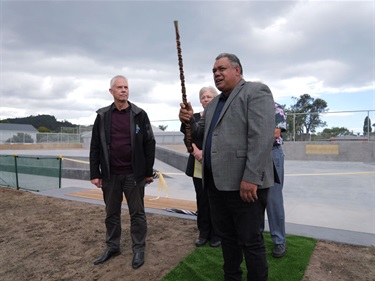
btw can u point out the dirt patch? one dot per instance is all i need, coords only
(341, 262)
(45, 238)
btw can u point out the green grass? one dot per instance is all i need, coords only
(205, 263)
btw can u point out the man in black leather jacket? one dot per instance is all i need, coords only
(122, 155)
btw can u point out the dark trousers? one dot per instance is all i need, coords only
(238, 224)
(204, 223)
(113, 191)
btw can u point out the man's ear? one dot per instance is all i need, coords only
(238, 70)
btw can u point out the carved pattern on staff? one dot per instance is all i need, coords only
(183, 89)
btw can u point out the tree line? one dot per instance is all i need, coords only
(305, 117)
(43, 123)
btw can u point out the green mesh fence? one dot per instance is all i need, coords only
(31, 173)
(8, 171)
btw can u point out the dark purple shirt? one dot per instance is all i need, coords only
(121, 150)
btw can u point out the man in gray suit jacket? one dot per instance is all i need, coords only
(238, 133)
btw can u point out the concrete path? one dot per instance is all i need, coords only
(332, 201)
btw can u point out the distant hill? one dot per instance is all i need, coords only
(47, 121)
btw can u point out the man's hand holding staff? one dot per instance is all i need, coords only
(186, 105)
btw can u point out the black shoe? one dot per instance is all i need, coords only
(215, 243)
(106, 256)
(200, 242)
(279, 250)
(138, 260)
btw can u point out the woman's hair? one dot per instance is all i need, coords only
(208, 89)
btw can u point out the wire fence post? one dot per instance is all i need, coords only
(368, 125)
(294, 127)
(16, 170)
(60, 168)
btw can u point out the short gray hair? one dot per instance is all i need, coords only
(208, 89)
(114, 79)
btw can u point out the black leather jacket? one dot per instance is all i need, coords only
(142, 142)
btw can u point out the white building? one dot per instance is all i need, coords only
(8, 131)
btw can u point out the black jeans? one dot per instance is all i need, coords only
(204, 223)
(238, 224)
(113, 191)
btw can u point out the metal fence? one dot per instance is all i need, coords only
(25, 137)
(335, 126)
(353, 121)
(58, 138)
(67, 135)
(30, 172)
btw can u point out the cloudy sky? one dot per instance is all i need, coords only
(57, 57)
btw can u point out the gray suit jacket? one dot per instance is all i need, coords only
(242, 139)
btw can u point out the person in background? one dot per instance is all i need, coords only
(237, 130)
(122, 155)
(275, 203)
(194, 170)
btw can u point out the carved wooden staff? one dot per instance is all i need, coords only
(183, 89)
